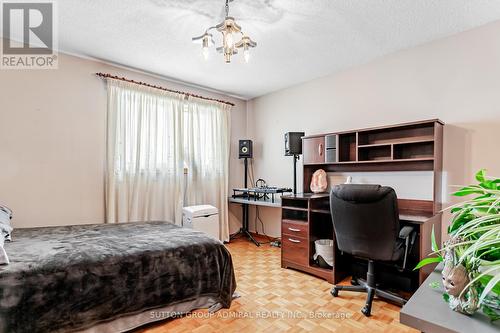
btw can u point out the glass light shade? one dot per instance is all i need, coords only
(246, 55)
(206, 50)
(229, 42)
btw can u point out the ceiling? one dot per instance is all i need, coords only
(298, 40)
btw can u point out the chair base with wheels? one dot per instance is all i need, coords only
(370, 288)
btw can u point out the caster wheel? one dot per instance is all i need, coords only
(366, 311)
(334, 292)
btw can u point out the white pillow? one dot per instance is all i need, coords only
(5, 230)
(4, 259)
(5, 227)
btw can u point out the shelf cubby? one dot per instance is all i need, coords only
(347, 147)
(291, 203)
(375, 153)
(396, 135)
(414, 150)
(294, 215)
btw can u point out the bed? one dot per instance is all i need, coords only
(110, 277)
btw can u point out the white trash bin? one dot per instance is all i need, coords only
(324, 249)
(202, 218)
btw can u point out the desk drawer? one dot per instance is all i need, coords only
(295, 229)
(294, 249)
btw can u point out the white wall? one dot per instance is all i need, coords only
(52, 141)
(456, 79)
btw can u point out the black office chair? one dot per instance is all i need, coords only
(366, 224)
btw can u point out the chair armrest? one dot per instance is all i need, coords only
(405, 232)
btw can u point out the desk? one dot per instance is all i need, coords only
(306, 218)
(260, 202)
(245, 202)
(428, 312)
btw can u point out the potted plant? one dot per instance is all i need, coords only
(471, 256)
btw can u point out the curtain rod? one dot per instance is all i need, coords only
(105, 75)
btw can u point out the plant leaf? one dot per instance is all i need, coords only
(428, 261)
(489, 287)
(488, 184)
(481, 175)
(434, 245)
(468, 190)
(490, 313)
(487, 278)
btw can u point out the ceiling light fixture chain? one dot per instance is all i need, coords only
(229, 29)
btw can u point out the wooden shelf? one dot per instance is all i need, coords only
(295, 221)
(295, 208)
(321, 211)
(399, 142)
(321, 269)
(374, 145)
(413, 139)
(420, 159)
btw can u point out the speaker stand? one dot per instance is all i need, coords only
(295, 159)
(243, 232)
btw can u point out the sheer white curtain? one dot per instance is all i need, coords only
(145, 167)
(206, 142)
(152, 137)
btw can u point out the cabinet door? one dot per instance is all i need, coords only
(314, 150)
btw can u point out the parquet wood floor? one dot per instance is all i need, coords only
(274, 299)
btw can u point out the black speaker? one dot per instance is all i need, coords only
(245, 149)
(293, 143)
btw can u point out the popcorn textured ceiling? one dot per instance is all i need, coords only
(298, 40)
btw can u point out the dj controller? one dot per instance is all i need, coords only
(259, 193)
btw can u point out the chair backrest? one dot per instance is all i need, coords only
(365, 220)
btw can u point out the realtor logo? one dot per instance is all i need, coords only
(29, 35)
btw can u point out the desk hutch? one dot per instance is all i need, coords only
(416, 146)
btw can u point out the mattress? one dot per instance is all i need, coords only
(73, 278)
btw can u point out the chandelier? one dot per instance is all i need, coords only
(230, 30)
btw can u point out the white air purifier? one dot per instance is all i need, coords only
(203, 218)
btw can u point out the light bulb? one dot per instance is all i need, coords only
(227, 56)
(205, 48)
(246, 55)
(229, 40)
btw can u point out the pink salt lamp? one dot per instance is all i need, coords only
(319, 182)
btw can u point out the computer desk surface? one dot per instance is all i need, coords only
(417, 217)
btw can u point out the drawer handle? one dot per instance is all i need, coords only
(320, 149)
(293, 240)
(294, 230)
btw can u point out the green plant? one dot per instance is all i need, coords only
(475, 231)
